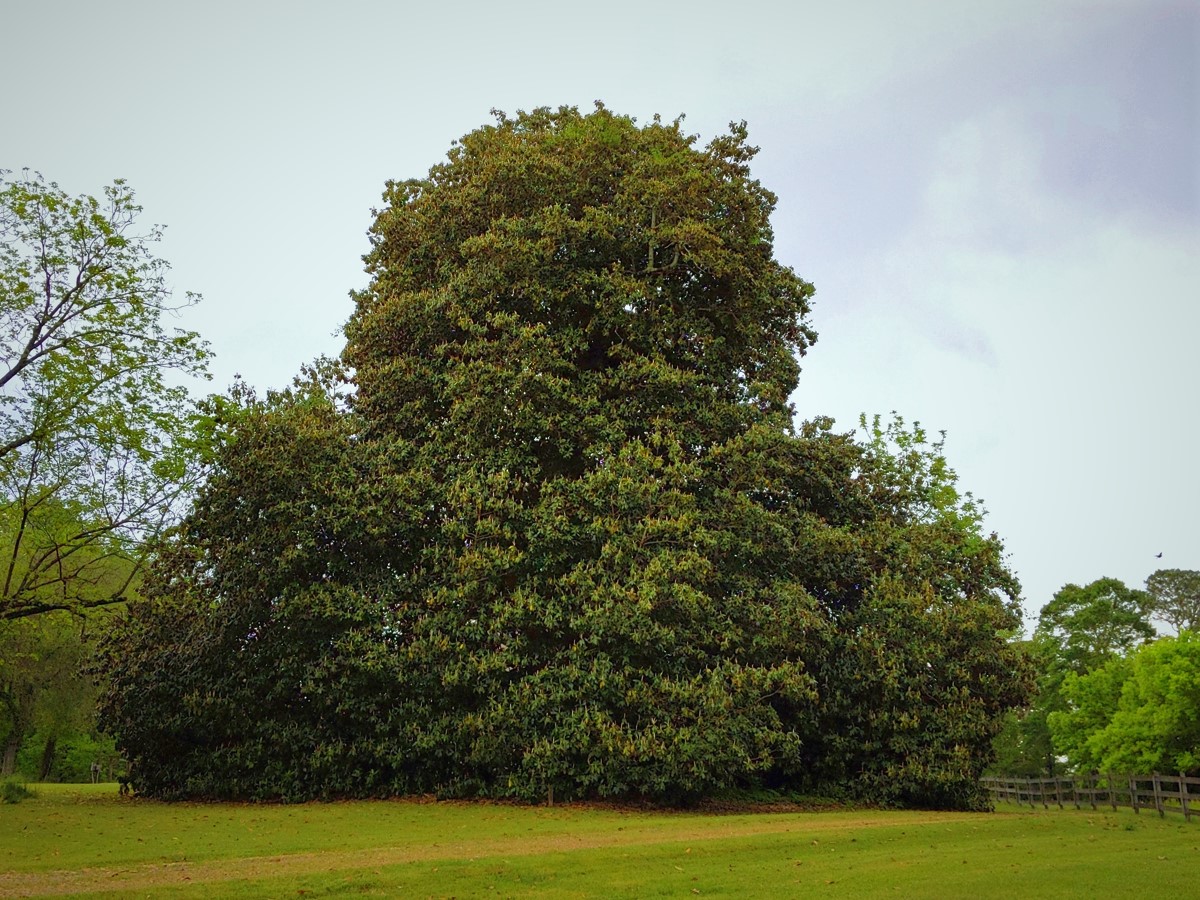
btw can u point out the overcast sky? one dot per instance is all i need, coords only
(997, 200)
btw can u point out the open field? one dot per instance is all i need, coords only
(84, 840)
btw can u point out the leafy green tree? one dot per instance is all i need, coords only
(1084, 627)
(1138, 713)
(44, 694)
(922, 671)
(96, 444)
(1023, 745)
(1175, 597)
(563, 534)
(257, 668)
(1079, 631)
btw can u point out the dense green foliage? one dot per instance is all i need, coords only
(1109, 695)
(1084, 627)
(47, 703)
(67, 757)
(562, 534)
(1136, 713)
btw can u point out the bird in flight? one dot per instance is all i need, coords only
(1158, 556)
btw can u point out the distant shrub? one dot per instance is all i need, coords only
(13, 791)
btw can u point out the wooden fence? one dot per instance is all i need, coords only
(1163, 793)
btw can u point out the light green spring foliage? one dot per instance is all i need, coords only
(96, 442)
(563, 534)
(927, 486)
(1081, 630)
(1137, 713)
(47, 702)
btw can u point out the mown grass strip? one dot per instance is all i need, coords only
(465, 850)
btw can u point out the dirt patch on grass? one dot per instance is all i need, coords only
(129, 879)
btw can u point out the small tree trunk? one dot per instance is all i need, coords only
(9, 765)
(47, 758)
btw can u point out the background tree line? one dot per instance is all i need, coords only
(1111, 694)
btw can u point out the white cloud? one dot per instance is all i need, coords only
(1057, 348)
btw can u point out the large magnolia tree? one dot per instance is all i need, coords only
(562, 534)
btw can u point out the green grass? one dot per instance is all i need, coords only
(84, 840)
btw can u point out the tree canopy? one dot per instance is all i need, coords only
(96, 441)
(1081, 628)
(561, 533)
(1175, 597)
(1111, 694)
(1079, 632)
(1137, 713)
(44, 691)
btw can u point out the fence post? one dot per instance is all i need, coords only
(1058, 791)
(1183, 797)
(1158, 800)
(1133, 794)
(1029, 787)
(1112, 791)
(1095, 785)
(1075, 790)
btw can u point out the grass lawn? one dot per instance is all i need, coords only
(84, 840)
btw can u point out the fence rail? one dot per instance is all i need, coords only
(1163, 793)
